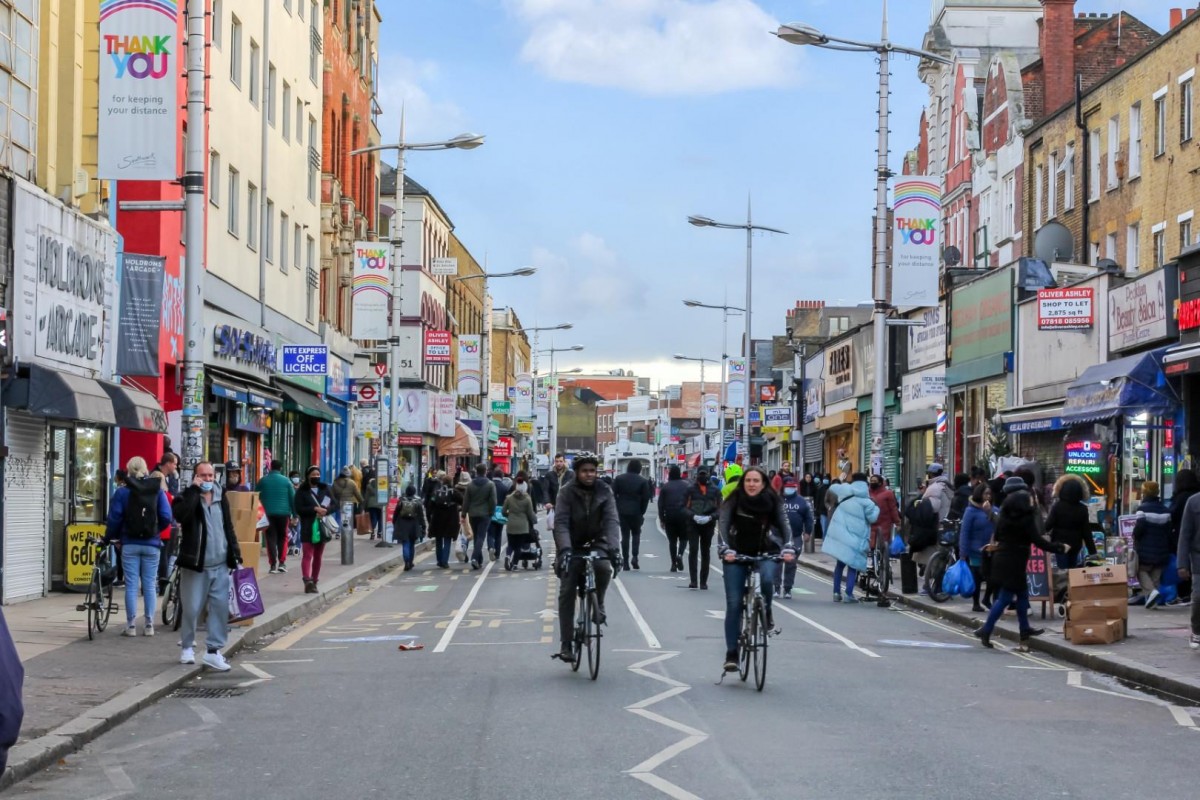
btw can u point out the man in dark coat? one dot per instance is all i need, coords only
(673, 513)
(12, 675)
(633, 498)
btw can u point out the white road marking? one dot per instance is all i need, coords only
(206, 715)
(715, 613)
(826, 631)
(119, 779)
(644, 771)
(547, 614)
(664, 786)
(310, 649)
(280, 661)
(1026, 666)
(1181, 715)
(463, 609)
(651, 640)
(336, 610)
(257, 671)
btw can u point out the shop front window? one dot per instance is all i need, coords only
(89, 478)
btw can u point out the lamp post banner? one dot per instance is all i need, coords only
(523, 402)
(917, 213)
(712, 412)
(371, 290)
(139, 87)
(470, 376)
(735, 389)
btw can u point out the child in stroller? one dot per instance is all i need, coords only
(523, 549)
(294, 536)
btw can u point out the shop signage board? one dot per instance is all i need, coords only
(80, 556)
(1087, 459)
(525, 426)
(1142, 312)
(371, 290)
(139, 87)
(916, 246)
(839, 371)
(139, 322)
(304, 359)
(776, 418)
(501, 407)
(503, 448)
(437, 346)
(766, 393)
(927, 343)
(1066, 309)
(981, 317)
(924, 389)
(444, 266)
(470, 376)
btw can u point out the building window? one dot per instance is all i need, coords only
(1038, 195)
(272, 82)
(216, 24)
(1135, 140)
(314, 43)
(252, 212)
(255, 78)
(1110, 246)
(1160, 124)
(1133, 237)
(1068, 168)
(1052, 187)
(1114, 151)
(285, 231)
(214, 178)
(287, 6)
(1094, 165)
(1159, 232)
(269, 233)
(235, 52)
(296, 244)
(312, 160)
(1093, 253)
(300, 122)
(1008, 191)
(231, 212)
(1185, 232)
(1185, 110)
(311, 280)
(285, 109)
(300, 9)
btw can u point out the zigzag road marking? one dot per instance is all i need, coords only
(644, 771)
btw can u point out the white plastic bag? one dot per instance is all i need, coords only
(461, 548)
(550, 522)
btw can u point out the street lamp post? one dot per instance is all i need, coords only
(749, 227)
(703, 426)
(725, 312)
(564, 326)
(553, 432)
(465, 141)
(802, 34)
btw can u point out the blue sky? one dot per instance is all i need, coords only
(608, 122)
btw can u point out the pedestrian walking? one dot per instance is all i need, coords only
(1152, 541)
(167, 471)
(780, 478)
(504, 485)
(345, 492)
(733, 476)
(479, 504)
(522, 517)
(1068, 520)
(801, 520)
(409, 524)
(1018, 528)
(278, 498)
(444, 520)
(973, 537)
(12, 678)
(208, 550)
(938, 491)
(703, 504)
(849, 533)
(558, 477)
(314, 502)
(1186, 485)
(375, 506)
(632, 492)
(137, 516)
(673, 514)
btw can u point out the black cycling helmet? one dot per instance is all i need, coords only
(586, 457)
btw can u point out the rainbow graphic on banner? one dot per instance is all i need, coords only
(372, 283)
(917, 190)
(167, 8)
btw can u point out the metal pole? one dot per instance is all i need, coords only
(747, 348)
(265, 171)
(193, 418)
(724, 377)
(881, 228)
(486, 371)
(553, 434)
(703, 416)
(397, 231)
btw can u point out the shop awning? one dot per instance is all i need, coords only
(1033, 418)
(226, 387)
(1125, 387)
(464, 442)
(136, 410)
(308, 403)
(61, 395)
(912, 420)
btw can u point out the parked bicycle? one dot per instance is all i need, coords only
(752, 638)
(942, 560)
(99, 604)
(587, 610)
(172, 608)
(877, 577)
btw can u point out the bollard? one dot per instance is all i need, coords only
(347, 533)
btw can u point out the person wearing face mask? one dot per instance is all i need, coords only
(820, 487)
(522, 519)
(313, 503)
(703, 501)
(884, 527)
(208, 550)
(800, 518)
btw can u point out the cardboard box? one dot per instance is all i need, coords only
(242, 501)
(1092, 577)
(1097, 610)
(1106, 632)
(245, 526)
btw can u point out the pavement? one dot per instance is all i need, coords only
(856, 702)
(76, 689)
(1154, 654)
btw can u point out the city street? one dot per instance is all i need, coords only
(860, 702)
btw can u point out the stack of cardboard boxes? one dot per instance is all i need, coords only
(1097, 605)
(245, 510)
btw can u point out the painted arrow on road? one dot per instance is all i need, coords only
(547, 615)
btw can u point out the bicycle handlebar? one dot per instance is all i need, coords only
(740, 559)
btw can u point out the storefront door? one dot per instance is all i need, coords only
(59, 463)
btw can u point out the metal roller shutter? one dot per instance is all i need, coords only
(25, 518)
(814, 448)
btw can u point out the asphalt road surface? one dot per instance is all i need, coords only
(860, 702)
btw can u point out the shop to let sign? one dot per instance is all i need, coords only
(1065, 309)
(437, 347)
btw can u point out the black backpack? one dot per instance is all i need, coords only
(444, 497)
(141, 511)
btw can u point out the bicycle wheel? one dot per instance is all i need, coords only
(746, 641)
(935, 570)
(758, 632)
(90, 603)
(582, 625)
(885, 571)
(170, 601)
(592, 639)
(105, 608)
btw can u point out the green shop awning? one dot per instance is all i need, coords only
(308, 403)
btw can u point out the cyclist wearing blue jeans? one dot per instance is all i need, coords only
(752, 522)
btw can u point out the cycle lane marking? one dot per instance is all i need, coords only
(448, 636)
(644, 771)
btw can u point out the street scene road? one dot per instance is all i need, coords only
(859, 702)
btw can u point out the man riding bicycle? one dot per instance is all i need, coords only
(752, 523)
(585, 519)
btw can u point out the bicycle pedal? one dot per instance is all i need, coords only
(81, 607)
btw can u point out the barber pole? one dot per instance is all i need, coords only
(941, 420)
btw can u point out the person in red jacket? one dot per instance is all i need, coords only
(889, 517)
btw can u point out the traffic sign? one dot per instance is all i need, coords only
(381, 369)
(367, 392)
(303, 359)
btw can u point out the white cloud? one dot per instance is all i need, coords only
(590, 281)
(403, 83)
(656, 47)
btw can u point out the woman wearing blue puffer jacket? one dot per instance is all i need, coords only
(978, 524)
(849, 532)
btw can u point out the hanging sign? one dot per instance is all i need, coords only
(735, 385)
(371, 291)
(437, 346)
(140, 317)
(470, 376)
(916, 250)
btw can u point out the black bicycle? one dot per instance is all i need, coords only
(98, 604)
(172, 608)
(752, 639)
(877, 577)
(942, 560)
(587, 616)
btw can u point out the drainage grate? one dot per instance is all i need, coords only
(197, 692)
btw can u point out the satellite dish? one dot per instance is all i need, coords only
(1054, 243)
(951, 256)
(1109, 266)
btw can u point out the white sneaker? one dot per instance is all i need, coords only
(187, 656)
(1152, 599)
(217, 662)
(282, 570)
(1194, 643)
(130, 631)
(149, 629)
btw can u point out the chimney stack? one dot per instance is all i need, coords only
(1057, 45)
(1175, 18)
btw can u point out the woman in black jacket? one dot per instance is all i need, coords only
(702, 504)
(313, 504)
(1017, 530)
(1068, 520)
(673, 514)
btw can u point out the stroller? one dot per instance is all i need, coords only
(527, 552)
(294, 536)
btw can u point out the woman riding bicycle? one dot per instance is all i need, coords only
(752, 523)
